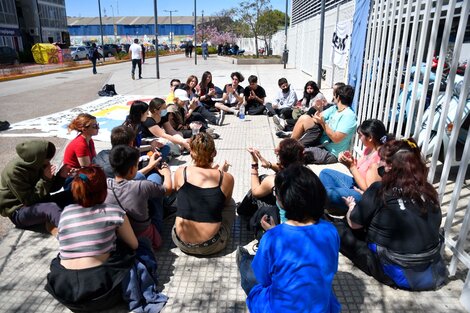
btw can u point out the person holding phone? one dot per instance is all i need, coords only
(232, 97)
(133, 195)
(254, 97)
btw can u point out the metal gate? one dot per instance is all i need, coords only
(413, 81)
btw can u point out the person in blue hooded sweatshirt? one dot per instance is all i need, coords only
(296, 261)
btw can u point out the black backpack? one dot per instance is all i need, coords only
(107, 91)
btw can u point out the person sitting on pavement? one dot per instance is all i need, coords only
(284, 102)
(254, 97)
(205, 208)
(122, 135)
(181, 114)
(81, 150)
(296, 261)
(138, 114)
(392, 233)
(192, 90)
(338, 123)
(232, 97)
(174, 83)
(26, 185)
(260, 198)
(338, 185)
(206, 91)
(157, 125)
(133, 195)
(303, 106)
(309, 137)
(91, 264)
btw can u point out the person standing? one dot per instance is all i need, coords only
(190, 47)
(93, 55)
(143, 53)
(135, 52)
(205, 50)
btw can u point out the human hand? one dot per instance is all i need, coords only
(193, 104)
(267, 222)
(350, 202)
(254, 154)
(156, 144)
(66, 171)
(164, 169)
(154, 159)
(252, 95)
(211, 92)
(49, 171)
(318, 118)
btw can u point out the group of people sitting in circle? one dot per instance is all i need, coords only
(384, 216)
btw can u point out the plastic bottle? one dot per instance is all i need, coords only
(241, 113)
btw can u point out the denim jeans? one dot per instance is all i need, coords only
(248, 278)
(339, 185)
(155, 204)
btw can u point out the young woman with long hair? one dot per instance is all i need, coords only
(81, 150)
(398, 219)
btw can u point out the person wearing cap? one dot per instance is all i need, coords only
(181, 115)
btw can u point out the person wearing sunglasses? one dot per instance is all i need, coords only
(81, 150)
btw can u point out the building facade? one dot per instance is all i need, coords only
(123, 29)
(24, 23)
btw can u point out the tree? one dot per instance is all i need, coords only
(249, 12)
(269, 23)
(213, 35)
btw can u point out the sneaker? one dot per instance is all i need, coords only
(140, 77)
(221, 118)
(133, 76)
(240, 255)
(215, 135)
(4, 125)
(210, 131)
(283, 134)
(279, 122)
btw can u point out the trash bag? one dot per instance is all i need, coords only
(108, 90)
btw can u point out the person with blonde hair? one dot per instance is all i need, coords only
(81, 150)
(206, 210)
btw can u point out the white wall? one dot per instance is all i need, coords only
(303, 44)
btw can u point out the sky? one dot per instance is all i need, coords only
(89, 8)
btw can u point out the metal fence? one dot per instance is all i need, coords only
(413, 81)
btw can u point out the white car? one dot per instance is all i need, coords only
(78, 52)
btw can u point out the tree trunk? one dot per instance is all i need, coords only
(256, 46)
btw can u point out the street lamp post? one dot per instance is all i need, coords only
(101, 30)
(202, 24)
(155, 12)
(285, 42)
(114, 24)
(195, 29)
(171, 27)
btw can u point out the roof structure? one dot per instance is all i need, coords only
(134, 20)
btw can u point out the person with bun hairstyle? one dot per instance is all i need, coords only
(363, 171)
(96, 247)
(81, 150)
(392, 233)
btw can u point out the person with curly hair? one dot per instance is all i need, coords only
(392, 233)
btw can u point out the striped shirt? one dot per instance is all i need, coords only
(87, 232)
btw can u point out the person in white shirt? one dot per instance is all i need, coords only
(285, 101)
(135, 52)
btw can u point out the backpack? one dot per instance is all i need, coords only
(107, 91)
(91, 53)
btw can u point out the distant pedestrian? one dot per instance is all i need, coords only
(93, 55)
(186, 49)
(135, 52)
(205, 50)
(190, 47)
(143, 53)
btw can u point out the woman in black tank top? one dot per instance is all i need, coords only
(206, 210)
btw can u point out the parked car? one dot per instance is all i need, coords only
(8, 55)
(125, 47)
(78, 52)
(107, 50)
(117, 47)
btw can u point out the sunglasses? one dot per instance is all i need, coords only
(95, 126)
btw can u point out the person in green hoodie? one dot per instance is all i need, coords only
(26, 184)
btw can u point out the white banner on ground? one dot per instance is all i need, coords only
(109, 112)
(340, 44)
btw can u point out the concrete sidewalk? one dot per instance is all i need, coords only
(206, 284)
